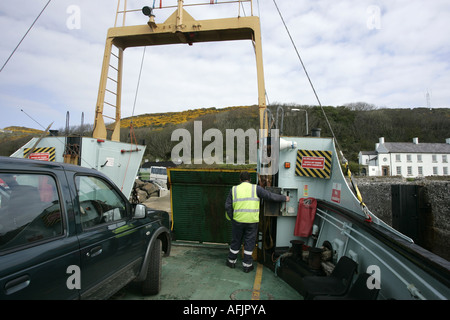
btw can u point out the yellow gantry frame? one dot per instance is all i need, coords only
(180, 27)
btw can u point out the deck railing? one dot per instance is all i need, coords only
(398, 268)
(122, 7)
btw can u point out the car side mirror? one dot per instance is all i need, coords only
(140, 211)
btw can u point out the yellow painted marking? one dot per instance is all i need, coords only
(257, 284)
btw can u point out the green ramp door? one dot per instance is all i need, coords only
(198, 203)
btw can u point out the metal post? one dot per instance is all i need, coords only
(179, 15)
(306, 113)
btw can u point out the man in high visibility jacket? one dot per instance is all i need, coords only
(242, 208)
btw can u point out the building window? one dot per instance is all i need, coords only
(420, 171)
(399, 171)
(444, 158)
(409, 169)
(434, 158)
(435, 170)
(397, 158)
(419, 158)
(445, 171)
(408, 158)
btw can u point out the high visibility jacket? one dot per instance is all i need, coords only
(245, 203)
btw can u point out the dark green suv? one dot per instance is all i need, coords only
(67, 232)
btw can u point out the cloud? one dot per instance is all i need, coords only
(348, 61)
(57, 68)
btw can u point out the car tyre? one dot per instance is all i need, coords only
(152, 283)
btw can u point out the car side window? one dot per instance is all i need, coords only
(99, 202)
(30, 209)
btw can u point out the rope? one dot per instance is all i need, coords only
(132, 133)
(344, 160)
(306, 72)
(7, 60)
(139, 81)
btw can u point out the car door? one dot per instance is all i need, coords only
(37, 244)
(111, 245)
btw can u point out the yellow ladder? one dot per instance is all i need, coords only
(178, 28)
(110, 88)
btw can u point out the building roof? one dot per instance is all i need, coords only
(408, 147)
(368, 153)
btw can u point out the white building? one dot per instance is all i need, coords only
(407, 159)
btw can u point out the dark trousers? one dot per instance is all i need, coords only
(246, 232)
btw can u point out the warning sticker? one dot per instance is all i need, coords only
(43, 156)
(336, 193)
(313, 162)
(109, 162)
(44, 153)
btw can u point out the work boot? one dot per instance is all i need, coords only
(231, 264)
(248, 269)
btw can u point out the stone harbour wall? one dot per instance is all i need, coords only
(377, 195)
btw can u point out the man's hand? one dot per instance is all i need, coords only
(287, 198)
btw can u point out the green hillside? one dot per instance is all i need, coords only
(356, 126)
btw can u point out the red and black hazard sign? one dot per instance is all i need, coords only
(313, 163)
(44, 154)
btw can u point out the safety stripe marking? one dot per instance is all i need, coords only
(324, 173)
(50, 150)
(257, 284)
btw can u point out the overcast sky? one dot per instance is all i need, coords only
(388, 53)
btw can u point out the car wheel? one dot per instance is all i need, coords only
(152, 283)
